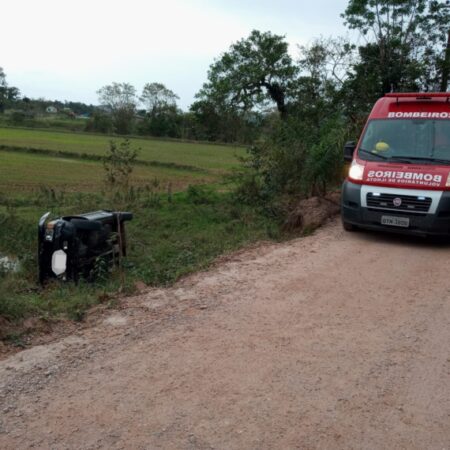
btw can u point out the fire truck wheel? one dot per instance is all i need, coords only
(349, 227)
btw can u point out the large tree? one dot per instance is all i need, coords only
(324, 64)
(163, 118)
(327, 60)
(156, 97)
(254, 71)
(404, 42)
(120, 99)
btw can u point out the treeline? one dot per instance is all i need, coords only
(323, 98)
(155, 112)
(256, 88)
(121, 111)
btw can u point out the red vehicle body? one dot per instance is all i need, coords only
(399, 176)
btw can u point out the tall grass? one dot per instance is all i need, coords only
(170, 236)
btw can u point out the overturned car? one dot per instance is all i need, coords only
(71, 247)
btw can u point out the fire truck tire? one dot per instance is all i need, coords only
(349, 227)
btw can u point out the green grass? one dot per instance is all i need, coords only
(175, 230)
(170, 236)
(217, 158)
(22, 172)
(57, 122)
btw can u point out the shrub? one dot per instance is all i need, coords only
(18, 118)
(298, 160)
(99, 122)
(118, 164)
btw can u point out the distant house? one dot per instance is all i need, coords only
(51, 110)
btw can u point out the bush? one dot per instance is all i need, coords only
(100, 123)
(165, 123)
(118, 164)
(18, 118)
(200, 195)
(169, 236)
(298, 160)
(123, 121)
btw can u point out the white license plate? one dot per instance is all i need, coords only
(395, 221)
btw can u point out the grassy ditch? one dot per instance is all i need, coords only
(170, 236)
(185, 215)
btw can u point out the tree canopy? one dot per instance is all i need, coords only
(254, 71)
(8, 94)
(404, 42)
(118, 96)
(156, 97)
(121, 99)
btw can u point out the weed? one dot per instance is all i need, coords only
(168, 238)
(172, 234)
(15, 339)
(118, 164)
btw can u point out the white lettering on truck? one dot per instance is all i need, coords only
(426, 179)
(419, 115)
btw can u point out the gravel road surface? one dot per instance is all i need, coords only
(337, 340)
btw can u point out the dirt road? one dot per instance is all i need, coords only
(333, 341)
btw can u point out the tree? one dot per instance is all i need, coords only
(162, 117)
(254, 71)
(327, 60)
(99, 122)
(120, 99)
(156, 97)
(208, 123)
(324, 66)
(8, 95)
(162, 123)
(404, 41)
(3, 83)
(446, 65)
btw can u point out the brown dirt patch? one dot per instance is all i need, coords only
(336, 340)
(313, 212)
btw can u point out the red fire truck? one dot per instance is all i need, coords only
(399, 177)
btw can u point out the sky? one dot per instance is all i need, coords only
(56, 49)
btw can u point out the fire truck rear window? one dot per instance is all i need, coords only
(407, 138)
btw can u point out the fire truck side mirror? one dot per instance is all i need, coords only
(349, 149)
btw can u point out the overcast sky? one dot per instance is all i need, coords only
(67, 50)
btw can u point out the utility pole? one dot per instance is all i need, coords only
(446, 65)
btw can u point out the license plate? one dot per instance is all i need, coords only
(395, 221)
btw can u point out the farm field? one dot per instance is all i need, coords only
(217, 158)
(22, 172)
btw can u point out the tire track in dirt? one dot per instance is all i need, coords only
(332, 341)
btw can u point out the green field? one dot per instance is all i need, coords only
(55, 122)
(184, 215)
(22, 172)
(217, 158)
(170, 162)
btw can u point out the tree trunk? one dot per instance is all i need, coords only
(277, 95)
(446, 66)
